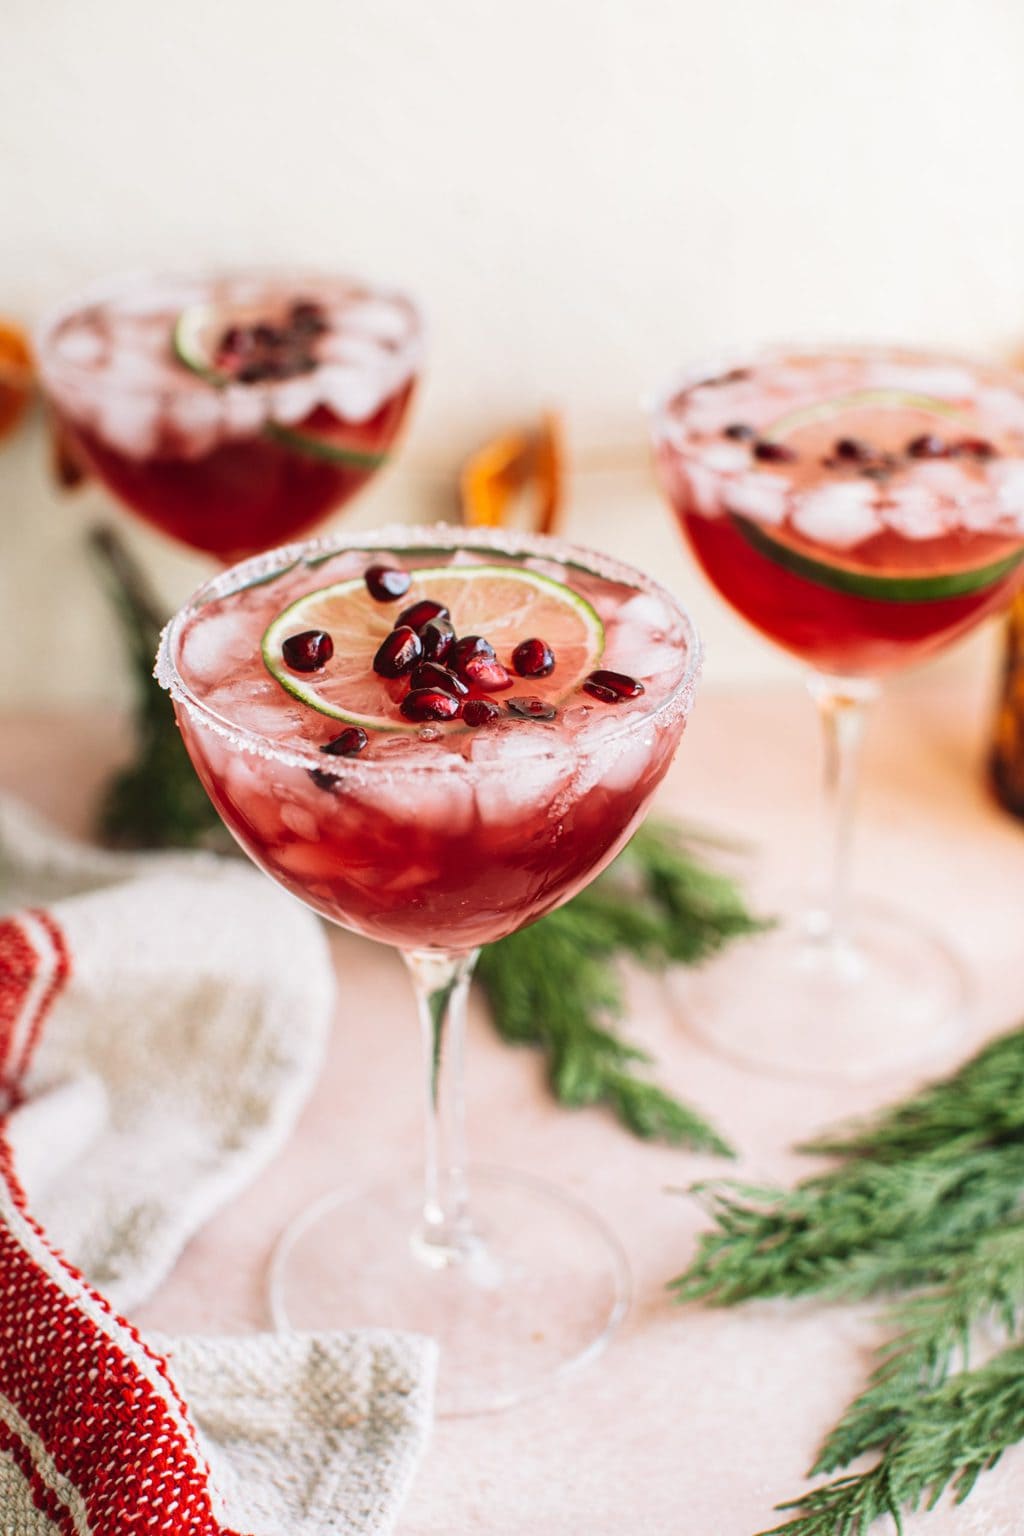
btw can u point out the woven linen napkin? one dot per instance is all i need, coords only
(162, 1020)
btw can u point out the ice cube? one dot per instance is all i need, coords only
(244, 410)
(703, 486)
(838, 516)
(215, 644)
(1006, 477)
(521, 770)
(292, 402)
(377, 317)
(197, 416)
(80, 346)
(435, 799)
(946, 380)
(724, 458)
(613, 752)
(354, 394)
(128, 421)
(1001, 410)
(762, 497)
(300, 820)
(912, 512)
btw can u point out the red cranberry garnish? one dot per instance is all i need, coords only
(468, 647)
(739, 431)
(348, 744)
(418, 614)
(486, 674)
(928, 446)
(533, 658)
(437, 637)
(476, 712)
(429, 675)
(976, 447)
(398, 652)
(611, 687)
(773, 453)
(530, 708)
(309, 651)
(386, 583)
(430, 704)
(854, 450)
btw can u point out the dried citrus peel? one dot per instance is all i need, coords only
(17, 377)
(516, 470)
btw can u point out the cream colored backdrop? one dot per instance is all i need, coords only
(582, 192)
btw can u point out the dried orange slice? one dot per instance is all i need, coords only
(16, 377)
(511, 470)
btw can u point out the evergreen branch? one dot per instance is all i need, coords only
(945, 1437)
(983, 1287)
(656, 904)
(157, 801)
(857, 1231)
(982, 1102)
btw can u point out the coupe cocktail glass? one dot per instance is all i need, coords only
(437, 838)
(863, 508)
(232, 411)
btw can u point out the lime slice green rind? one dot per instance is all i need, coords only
(189, 343)
(322, 448)
(886, 589)
(304, 688)
(892, 399)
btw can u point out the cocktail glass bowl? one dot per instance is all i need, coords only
(437, 852)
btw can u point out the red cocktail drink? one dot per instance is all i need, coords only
(232, 412)
(863, 508)
(434, 739)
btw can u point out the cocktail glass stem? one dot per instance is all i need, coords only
(843, 705)
(441, 980)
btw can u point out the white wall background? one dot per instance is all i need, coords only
(583, 193)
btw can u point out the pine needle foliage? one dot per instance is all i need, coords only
(923, 1205)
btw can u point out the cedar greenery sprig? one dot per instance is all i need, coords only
(926, 1199)
(657, 904)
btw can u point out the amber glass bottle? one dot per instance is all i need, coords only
(1007, 759)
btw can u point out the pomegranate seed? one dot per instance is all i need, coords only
(479, 712)
(385, 583)
(418, 614)
(351, 741)
(437, 637)
(739, 432)
(853, 449)
(773, 453)
(533, 658)
(486, 674)
(430, 704)
(468, 647)
(307, 317)
(309, 651)
(325, 781)
(530, 708)
(610, 687)
(977, 447)
(429, 675)
(928, 446)
(398, 652)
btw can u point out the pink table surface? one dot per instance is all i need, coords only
(695, 1421)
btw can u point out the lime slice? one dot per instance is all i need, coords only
(931, 585)
(197, 334)
(858, 400)
(506, 604)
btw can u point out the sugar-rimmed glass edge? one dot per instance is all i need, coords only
(451, 536)
(665, 429)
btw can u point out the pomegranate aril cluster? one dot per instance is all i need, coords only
(262, 352)
(857, 454)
